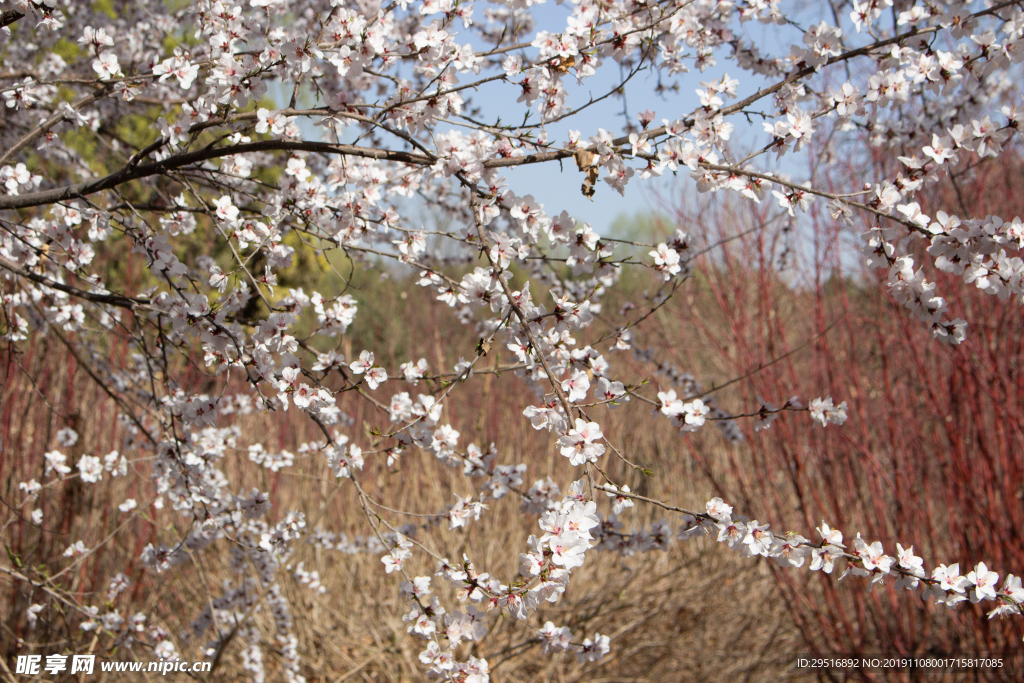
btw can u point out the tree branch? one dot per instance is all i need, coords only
(111, 299)
(129, 173)
(9, 16)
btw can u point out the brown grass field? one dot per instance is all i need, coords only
(697, 612)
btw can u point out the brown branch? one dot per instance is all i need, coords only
(129, 173)
(111, 299)
(9, 16)
(50, 122)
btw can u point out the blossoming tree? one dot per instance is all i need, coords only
(391, 119)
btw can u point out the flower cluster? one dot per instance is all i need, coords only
(212, 198)
(944, 585)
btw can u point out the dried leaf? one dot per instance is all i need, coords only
(562, 65)
(586, 161)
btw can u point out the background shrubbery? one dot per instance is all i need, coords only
(931, 455)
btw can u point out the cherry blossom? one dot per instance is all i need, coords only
(576, 387)
(578, 444)
(106, 65)
(825, 412)
(271, 135)
(67, 437)
(90, 469)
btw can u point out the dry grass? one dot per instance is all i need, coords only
(696, 612)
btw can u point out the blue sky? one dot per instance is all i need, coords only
(558, 186)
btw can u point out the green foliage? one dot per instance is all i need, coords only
(138, 131)
(641, 227)
(105, 7)
(67, 50)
